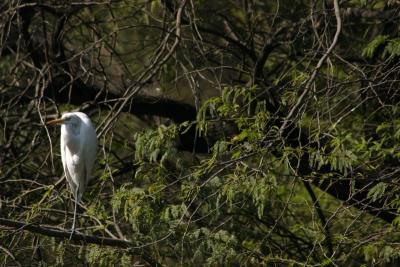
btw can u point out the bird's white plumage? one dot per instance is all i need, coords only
(78, 152)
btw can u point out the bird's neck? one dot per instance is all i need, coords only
(70, 137)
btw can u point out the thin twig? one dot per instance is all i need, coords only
(315, 71)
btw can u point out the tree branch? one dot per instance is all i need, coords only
(54, 232)
(321, 216)
(316, 69)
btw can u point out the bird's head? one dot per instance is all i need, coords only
(66, 119)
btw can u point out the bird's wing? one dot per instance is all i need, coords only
(76, 168)
(89, 150)
(66, 166)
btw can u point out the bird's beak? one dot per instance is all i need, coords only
(56, 121)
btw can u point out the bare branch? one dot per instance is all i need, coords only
(316, 69)
(77, 237)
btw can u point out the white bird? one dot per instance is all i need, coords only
(78, 152)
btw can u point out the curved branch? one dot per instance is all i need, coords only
(321, 217)
(158, 61)
(36, 54)
(54, 232)
(249, 52)
(316, 69)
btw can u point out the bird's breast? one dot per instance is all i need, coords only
(71, 141)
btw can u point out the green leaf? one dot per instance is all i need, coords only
(377, 191)
(369, 50)
(392, 48)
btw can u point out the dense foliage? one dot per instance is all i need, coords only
(234, 132)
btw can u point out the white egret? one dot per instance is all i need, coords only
(78, 152)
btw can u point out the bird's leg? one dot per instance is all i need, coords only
(76, 204)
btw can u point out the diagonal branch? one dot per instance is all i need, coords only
(54, 232)
(321, 216)
(147, 75)
(316, 69)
